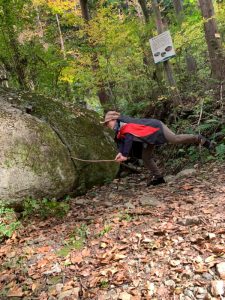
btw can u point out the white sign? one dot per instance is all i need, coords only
(162, 47)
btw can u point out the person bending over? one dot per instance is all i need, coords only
(148, 133)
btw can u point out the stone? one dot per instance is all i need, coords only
(201, 296)
(217, 287)
(186, 173)
(55, 269)
(58, 287)
(65, 294)
(124, 296)
(187, 221)
(108, 204)
(111, 295)
(170, 282)
(129, 205)
(207, 276)
(170, 178)
(147, 200)
(39, 150)
(81, 202)
(201, 290)
(220, 268)
(189, 293)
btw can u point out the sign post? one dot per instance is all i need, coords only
(162, 47)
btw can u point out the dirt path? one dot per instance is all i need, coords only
(125, 241)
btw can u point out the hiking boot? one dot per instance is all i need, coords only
(156, 181)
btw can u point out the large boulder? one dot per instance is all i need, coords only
(40, 139)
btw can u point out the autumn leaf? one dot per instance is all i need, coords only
(43, 249)
(124, 296)
(119, 256)
(15, 292)
(76, 258)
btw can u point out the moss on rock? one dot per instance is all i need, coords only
(50, 129)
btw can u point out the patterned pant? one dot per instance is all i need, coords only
(172, 138)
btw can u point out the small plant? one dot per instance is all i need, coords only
(82, 231)
(125, 217)
(220, 151)
(76, 240)
(105, 230)
(45, 208)
(104, 284)
(107, 180)
(8, 222)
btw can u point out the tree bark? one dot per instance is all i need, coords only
(61, 37)
(190, 60)
(84, 9)
(39, 23)
(19, 62)
(178, 7)
(167, 66)
(144, 10)
(3, 76)
(216, 54)
(103, 96)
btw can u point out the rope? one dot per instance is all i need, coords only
(106, 160)
(94, 160)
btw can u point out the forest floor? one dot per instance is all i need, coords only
(125, 241)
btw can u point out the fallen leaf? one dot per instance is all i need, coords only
(124, 296)
(119, 256)
(76, 258)
(43, 262)
(43, 249)
(15, 292)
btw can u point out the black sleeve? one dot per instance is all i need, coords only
(126, 144)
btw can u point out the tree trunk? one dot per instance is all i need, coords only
(19, 62)
(103, 96)
(190, 60)
(69, 89)
(84, 9)
(167, 66)
(144, 10)
(178, 7)
(216, 55)
(61, 37)
(3, 76)
(39, 23)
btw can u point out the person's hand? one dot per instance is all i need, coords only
(120, 157)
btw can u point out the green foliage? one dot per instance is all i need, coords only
(104, 284)
(111, 52)
(105, 230)
(8, 222)
(220, 151)
(76, 240)
(209, 125)
(125, 217)
(45, 208)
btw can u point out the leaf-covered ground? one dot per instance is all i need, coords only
(125, 241)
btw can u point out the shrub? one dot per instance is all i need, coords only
(8, 222)
(45, 208)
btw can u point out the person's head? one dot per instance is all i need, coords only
(111, 118)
